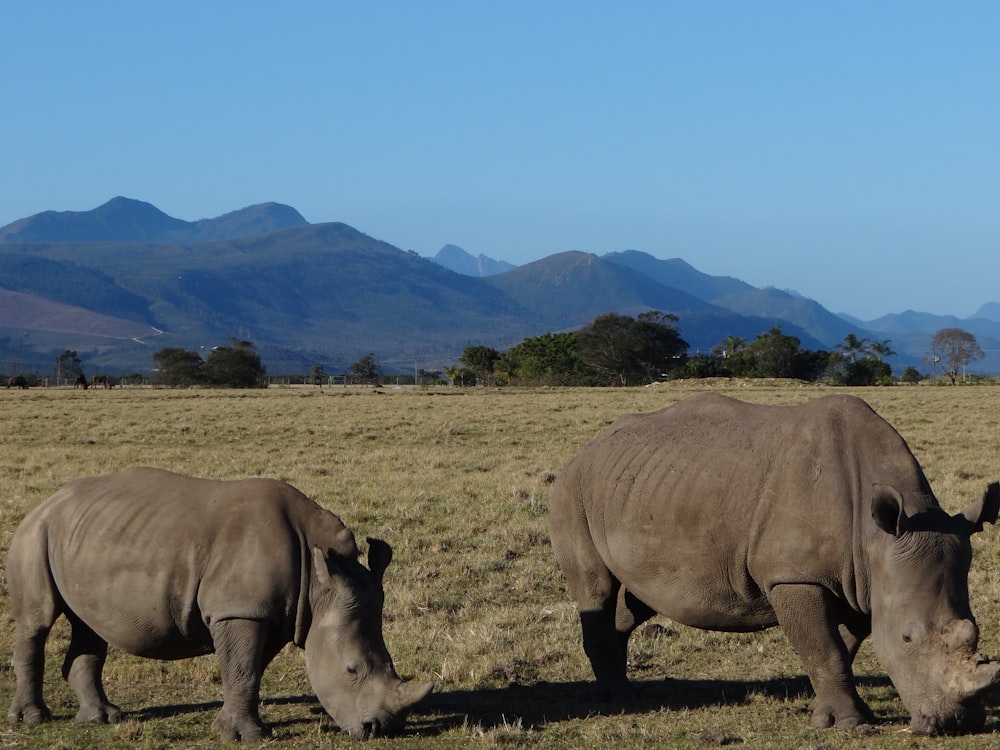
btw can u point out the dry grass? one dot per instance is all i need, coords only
(458, 483)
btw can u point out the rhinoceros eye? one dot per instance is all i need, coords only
(914, 631)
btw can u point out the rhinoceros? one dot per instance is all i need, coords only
(729, 516)
(167, 566)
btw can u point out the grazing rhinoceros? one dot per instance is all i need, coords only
(169, 567)
(730, 516)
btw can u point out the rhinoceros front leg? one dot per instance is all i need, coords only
(239, 646)
(809, 616)
(82, 670)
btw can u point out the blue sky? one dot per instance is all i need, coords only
(847, 150)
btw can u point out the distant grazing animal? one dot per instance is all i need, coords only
(731, 516)
(81, 381)
(18, 381)
(170, 567)
(102, 381)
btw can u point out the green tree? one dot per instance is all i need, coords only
(549, 359)
(179, 367)
(853, 347)
(68, 367)
(956, 348)
(770, 355)
(911, 375)
(865, 371)
(366, 370)
(881, 349)
(235, 366)
(729, 346)
(628, 351)
(317, 374)
(480, 359)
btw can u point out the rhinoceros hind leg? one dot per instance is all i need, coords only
(808, 615)
(240, 646)
(82, 670)
(606, 649)
(27, 705)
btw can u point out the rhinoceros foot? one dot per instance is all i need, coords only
(103, 713)
(826, 715)
(232, 728)
(29, 713)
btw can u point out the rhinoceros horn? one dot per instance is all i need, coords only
(978, 680)
(984, 510)
(409, 694)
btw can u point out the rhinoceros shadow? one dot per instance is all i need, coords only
(535, 705)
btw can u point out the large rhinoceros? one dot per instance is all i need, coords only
(169, 567)
(730, 516)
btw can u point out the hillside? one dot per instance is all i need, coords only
(328, 294)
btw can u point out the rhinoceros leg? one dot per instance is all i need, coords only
(240, 646)
(809, 616)
(28, 706)
(35, 606)
(82, 670)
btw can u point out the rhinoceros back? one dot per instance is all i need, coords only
(148, 558)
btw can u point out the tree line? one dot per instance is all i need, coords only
(613, 349)
(619, 350)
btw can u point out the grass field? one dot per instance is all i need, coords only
(458, 482)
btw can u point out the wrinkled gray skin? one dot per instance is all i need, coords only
(170, 567)
(729, 516)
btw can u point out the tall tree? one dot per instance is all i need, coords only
(549, 359)
(236, 366)
(956, 348)
(179, 367)
(770, 355)
(853, 347)
(68, 367)
(881, 349)
(366, 370)
(480, 359)
(630, 351)
(729, 346)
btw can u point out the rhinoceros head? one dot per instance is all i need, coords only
(923, 630)
(348, 664)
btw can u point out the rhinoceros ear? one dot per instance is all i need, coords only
(887, 509)
(984, 510)
(379, 557)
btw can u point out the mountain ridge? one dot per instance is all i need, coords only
(129, 220)
(328, 293)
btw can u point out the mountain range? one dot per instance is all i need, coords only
(124, 280)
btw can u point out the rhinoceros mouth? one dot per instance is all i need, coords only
(373, 727)
(968, 718)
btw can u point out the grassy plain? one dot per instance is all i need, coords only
(458, 482)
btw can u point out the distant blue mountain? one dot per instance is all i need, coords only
(458, 260)
(329, 294)
(128, 220)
